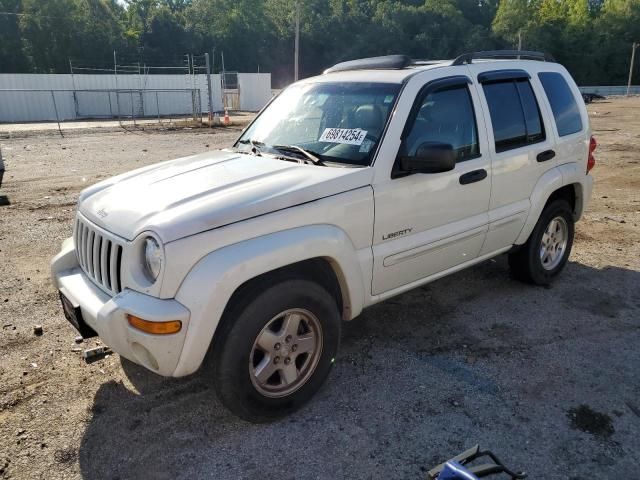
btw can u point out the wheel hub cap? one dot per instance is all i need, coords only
(554, 243)
(285, 353)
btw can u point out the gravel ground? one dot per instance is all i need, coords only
(548, 378)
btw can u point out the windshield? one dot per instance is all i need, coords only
(336, 122)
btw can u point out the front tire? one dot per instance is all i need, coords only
(275, 348)
(547, 250)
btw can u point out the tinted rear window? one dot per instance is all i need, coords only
(532, 117)
(514, 114)
(563, 103)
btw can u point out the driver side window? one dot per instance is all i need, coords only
(445, 116)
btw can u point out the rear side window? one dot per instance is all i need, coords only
(563, 103)
(515, 115)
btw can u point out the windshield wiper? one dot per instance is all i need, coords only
(313, 156)
(255, 144)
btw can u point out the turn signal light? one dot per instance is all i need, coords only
(591, 161)
(155, 328)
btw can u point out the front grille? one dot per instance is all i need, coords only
(99, 255)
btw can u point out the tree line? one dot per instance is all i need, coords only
(592, 38)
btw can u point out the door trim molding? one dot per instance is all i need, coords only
(411, 285)
(433, 246)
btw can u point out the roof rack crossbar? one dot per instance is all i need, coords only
(524, 54)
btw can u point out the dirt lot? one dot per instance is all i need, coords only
(547, 378)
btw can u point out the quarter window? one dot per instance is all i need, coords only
(563, 103)
(515, 114)
(445, 116)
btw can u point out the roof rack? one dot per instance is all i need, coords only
(388, 62)
(398, 62)
(524, 54)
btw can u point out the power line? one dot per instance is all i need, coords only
(15, 14)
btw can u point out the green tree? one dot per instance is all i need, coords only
(11, 41)
(56, 30)
(513, 19)
(591, 37)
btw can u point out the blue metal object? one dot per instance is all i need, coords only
(454, 471)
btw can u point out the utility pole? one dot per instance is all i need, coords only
(223, 82)
(206, 59)
(73, 84)
(633, 57)
(297, 43)
(115, 77)
(519, 39)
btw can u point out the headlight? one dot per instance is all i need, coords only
(152, 258)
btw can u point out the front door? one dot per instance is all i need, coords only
(428, 223)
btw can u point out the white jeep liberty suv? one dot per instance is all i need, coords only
(380, 175)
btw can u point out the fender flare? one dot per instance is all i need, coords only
(221, 273)
(574, 174)
(548, 183)
(552, 180)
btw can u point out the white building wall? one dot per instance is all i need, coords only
(34, 101)
(255, 90)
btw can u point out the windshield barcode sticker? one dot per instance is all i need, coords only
(350, 136)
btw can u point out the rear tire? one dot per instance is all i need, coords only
(274, 348)
(547, 250)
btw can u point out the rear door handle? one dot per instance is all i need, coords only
(546, 155)
(473, 176)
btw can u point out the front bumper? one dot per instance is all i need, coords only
(108, 315)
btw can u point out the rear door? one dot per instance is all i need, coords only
(429, 223)
(521, 146)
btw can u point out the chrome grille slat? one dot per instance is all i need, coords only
(83, 246)
(90, 237)
(79, 242)
(104, 277)
(97, 241)
(99, 255)
(113, 264)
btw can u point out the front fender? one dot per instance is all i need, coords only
(207, 288)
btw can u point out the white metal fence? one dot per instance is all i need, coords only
(611, 90)
(42, 97)
(62, 105)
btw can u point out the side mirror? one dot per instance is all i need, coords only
(430, 157)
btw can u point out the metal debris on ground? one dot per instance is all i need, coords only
(460, 468)
(94, 354)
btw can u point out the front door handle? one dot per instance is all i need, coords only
(546, 155)
(473, 176)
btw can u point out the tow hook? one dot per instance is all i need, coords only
(94, 354)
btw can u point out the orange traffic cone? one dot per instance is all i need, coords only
(227, 120)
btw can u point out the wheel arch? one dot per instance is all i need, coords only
(561, 182)
(323, 253)
(324, 271)
(567, 193)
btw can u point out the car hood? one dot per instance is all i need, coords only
(183, 197)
